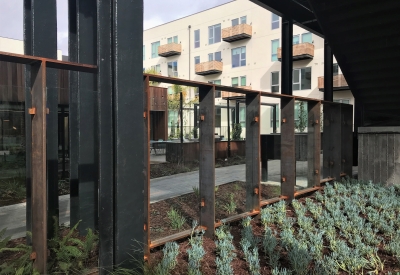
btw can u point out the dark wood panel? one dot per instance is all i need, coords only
(158, 99)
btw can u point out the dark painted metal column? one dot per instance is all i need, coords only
(288, 156)
(253, 191)
(40, 24)
(83, 93)
(229, 128)
(358, 122)
(207, 159)
(196, 107)
(106, 136)
(287, 57)
(146, 194)
(347, 139)
(274, 119)
(129, 138)
(314, 144)
(328, 72)
(181, 122)
(39, 179)
(237, 112)
(332, 141)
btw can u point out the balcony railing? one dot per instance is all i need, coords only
(169, 49)
(300, 51)
(235, 95)
(238, 32)
(339, 83)
(210, 67)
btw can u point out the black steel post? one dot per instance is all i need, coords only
(229, 128)
(314, 144)
(40, 24)
(106, 136)
(328, 72)
(62, 128)
(207, 159)
(274, 119)
(287, 56)
(346, 111)
(196, 119)
(253, 190)
(181, 122)
(332, 149)
(237, 107)
(358, 122)
(84, 119)
(129, 138)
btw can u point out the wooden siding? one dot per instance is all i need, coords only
(338, 82)
(300, 51)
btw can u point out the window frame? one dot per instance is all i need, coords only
(212, 39)
(275, 26)
(272, 82)
(196, 58)
(174, 72)
(240, 56)
(274, 56)
(197, 42)
(155, 48)
(302, 72)
(302, 37)
(298, 39)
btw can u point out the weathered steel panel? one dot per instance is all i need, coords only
(207, 158)
(253, 187)
(347, 139)
(288, 157)
(332, 141)
(314, 144)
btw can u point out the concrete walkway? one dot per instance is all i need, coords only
(13, 217)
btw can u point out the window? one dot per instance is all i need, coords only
(242, 117)
(173, 39)
(345, 101)
(274, 51)
(156, 68)
(296, 39)
(214, 34)
(214, 56)
(235, 81)
(218, 117)
(335, 69)
(237, 21)
(275, 21)
(277, 116)
(196, 60)
(243, 81)
(239, 57)
(306, 37)
(275, 82)
(154, 49)
(173, 69)
(197, 38)
(302, 79)
(144, 52)
(216, 82)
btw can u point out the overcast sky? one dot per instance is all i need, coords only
(156, 12)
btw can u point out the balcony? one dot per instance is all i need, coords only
(238, 32)
(226, 95)
(169, 49)
(300, 51)
(339, 83)
(210, 67)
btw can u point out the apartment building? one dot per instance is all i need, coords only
(238, 44)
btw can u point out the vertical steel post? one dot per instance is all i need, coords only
(40, 24)
(62, 134)
(207, 158)
(39, 175)
(237, 112)
(328, 72)
(146, 194)
(85, 196)
(181, 122)
(287, 56)
(129, 138)
(229, 128)
(106, 136)
(314, 143)
(288, 157)
(196, 119)
(274, 119)
(253, 191)
(347, 139)
(332, 150)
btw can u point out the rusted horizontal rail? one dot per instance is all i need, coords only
(50, 63)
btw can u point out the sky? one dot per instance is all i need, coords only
(156, 12)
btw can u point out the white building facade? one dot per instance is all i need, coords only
(251, 62)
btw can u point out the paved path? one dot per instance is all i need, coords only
(13, 217)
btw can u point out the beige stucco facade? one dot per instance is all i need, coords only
(259, 65)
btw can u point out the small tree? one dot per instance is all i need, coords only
(301, 123)
(236, 131)
(152, 71)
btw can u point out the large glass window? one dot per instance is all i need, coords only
(217, 82)
(275, 82)
(214, 34)
(239, 57)
(197, 38)
(306, 37)
(296, 39)
(274, 49)
(243, 81)
(242, 117)
(237, 21)
(277, 117)
(214, 56)
(173, 39)
(144, 52)
(154, 49)
(196, 60)
(275, 21)
(243, 20)
(173, 69)
(302, 79)
(335, 69)
(236, 83)
(156, 68)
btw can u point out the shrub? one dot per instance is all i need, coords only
(175, 218)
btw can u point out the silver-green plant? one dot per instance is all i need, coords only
(300, 259)
(175, 218)
(225, 250)
(270, 247)
(168, 263)
(196, 252)
(283, 271)
(230, 207)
